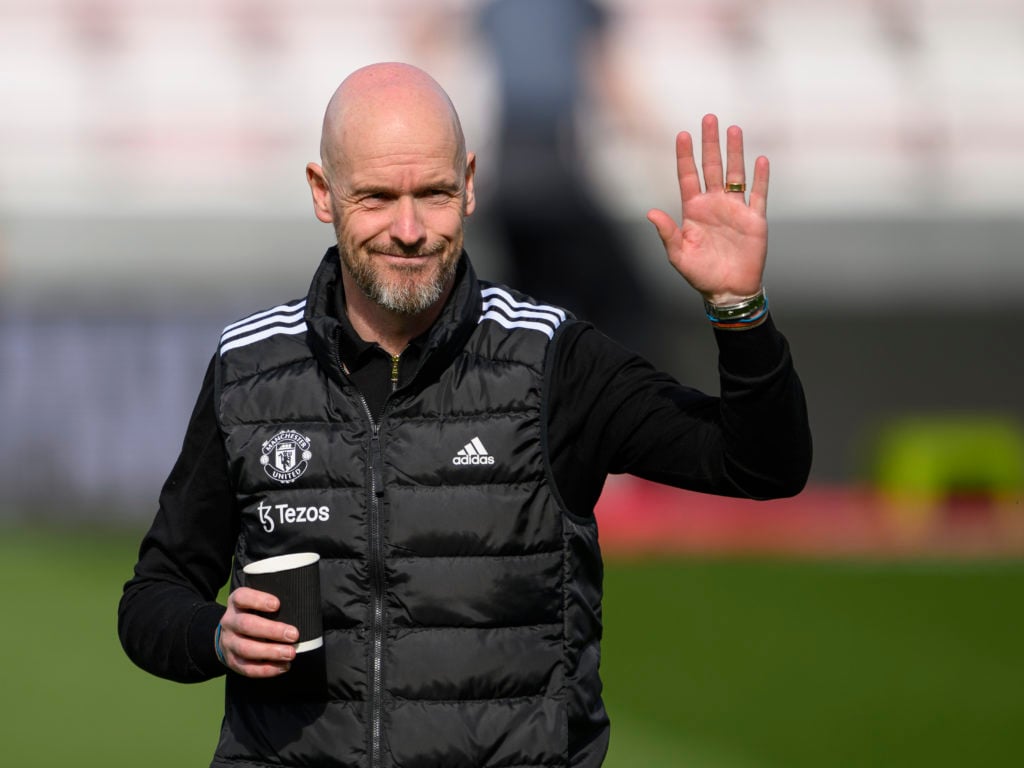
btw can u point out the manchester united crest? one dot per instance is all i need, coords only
(286, 456)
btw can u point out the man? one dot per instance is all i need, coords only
(451, 439)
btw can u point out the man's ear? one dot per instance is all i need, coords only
(470, 204)
(321, 190)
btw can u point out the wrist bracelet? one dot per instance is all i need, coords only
(746, 313)
(217, 648)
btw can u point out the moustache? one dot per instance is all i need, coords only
(433, 249)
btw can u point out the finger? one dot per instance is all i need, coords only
(254, 659)
(663, 223)
(686, 168)
(735, 173)
(257, 627)
(711, 154)
(260, 670)
(759, 189)
(247, 599)
(250, 651)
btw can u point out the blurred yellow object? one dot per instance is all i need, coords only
(923, 463)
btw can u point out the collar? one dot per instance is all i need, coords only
(352, 348)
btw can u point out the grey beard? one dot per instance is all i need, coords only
(406, 297)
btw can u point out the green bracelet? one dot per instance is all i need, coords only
(745, 313)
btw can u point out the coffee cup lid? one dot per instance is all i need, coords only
(282, 562)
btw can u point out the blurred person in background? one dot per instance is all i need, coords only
(448, 439)
(553, 69)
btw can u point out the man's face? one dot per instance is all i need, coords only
(399, 195)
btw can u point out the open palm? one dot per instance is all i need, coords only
(721, 246)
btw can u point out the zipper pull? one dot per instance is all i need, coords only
(394, 372)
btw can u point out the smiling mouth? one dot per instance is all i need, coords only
(405, 259)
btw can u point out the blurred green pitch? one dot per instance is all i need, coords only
(708, 663)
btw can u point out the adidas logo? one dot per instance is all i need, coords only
(473, 453)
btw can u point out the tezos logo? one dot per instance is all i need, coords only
(286, 456)
(284, 514)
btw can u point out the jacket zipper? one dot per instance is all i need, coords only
(377, 581)
(377, 584)
(394, 372)
(377, 576)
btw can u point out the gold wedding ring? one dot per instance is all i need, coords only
(735, 186)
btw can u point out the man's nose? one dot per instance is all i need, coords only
(406, 224)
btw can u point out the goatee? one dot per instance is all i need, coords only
(408, 292)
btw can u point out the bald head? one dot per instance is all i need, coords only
(380, 100)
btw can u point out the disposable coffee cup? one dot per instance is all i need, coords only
(294, 580)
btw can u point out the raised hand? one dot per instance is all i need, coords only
(721, 246)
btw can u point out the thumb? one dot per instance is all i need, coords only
(662, 222)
